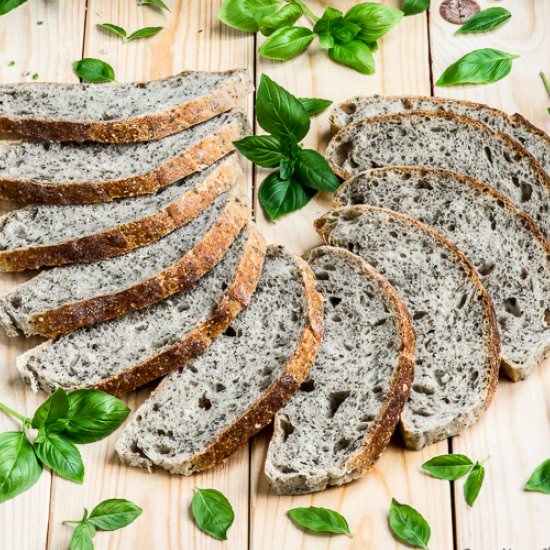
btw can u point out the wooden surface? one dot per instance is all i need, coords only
(515, 433)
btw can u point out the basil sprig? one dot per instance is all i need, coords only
(50, 437)
(408, 525)
(145, 32)
(94, 70)
(485, 20)
(159, 4)
(412, 7)
(212, 512)
(8, 5)
(302, 172)
(473, 483)
(320, 520)
(540, 479)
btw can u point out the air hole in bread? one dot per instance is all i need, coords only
(488, 154)
(308, 385)
(343, 153)
(288, 429)
(349, 108)
(230, 331)
(335, 401)
(526, 192)
(486, 268)
(342, 444)
(334, 301)
(512, 307)
(219, 387)
(205, 403)
(419, 315)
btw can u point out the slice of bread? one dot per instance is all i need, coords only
(66, 298)
(81, 173)
(125, 353)
(445, 140)
(54, 235)
(506, 247)
(457, 345)
(535, 140)
(335, 428)
(200, 414)
(117, 112)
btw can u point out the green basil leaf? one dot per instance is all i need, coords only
(314, 106)
(375, 20)
(330, 19)
(60, 455)
(333, 24)
(478, 67)
(320, 520)
(154, 4)
(355, 54)
(485, 20)
(449, 467)
(19, 467)
(286, 43)
(53, 409)
(114, 513)
(286, 169)
(119, 31)
(345, 32)
(279, 112)
(540, 479)
(278, 196)
(146, 32)
(408, 525)
(94, 70)
(265, 151)
(287, 15)
(326, 41)
(412, 7)
(245, 15)
(473, 483)
(82, 538)
(315, 171)
(8, 5)
(212, 512)
(93, 415)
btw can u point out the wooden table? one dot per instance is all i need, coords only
(516, 431)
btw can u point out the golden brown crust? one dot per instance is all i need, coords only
(145, 128)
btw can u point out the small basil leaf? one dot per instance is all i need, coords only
(287, 15)
(119, 31)
(485, 20)
(279, 112)
(60, 455)
(320, 520)
(345, 31)
(114, 513)
(53, 409)
(315, 171)
(540, 479)
(375, 20)
(408, 525)
(326, 41)
(8, 5)
(212, 512)
(473, 483)
(19, 467)
(286, 43)
(154, 4)
(82, 538)
(286, 169)
(314, 106)
(244, 15)
(478, 67)
(449, 467)
(94, 70)
(265, 151)
(412, 7)
(279, 197)
(354, 54)
(146, 32)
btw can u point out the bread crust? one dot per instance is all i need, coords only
(227, 96)
(122, 238)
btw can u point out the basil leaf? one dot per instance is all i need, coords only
(314, 106)
(114, 513)
(82, 538)
(8, 5)
(315, 171)
(54, 408)
(540, 479)
(320, 520)
(279, 112)
(119, 31)
(286, 169)
(326, 41)
(330, 19)
(90, 69)
(92, 415)
(244, 15)
(485, 20)
(278, 196)
(265, 151)
(146, 32)
(408, 525)
(449, 467)
(354, 54)
(473, 483)
(412, 7)
(287, 15)
(212, 512)
(19, 467)
(60, 455)
(154, 4)
(286, 43)
(375, 20)
(478, 67)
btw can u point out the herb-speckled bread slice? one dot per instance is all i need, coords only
(117, 113)
(445, 140)
(535, 140)
(66, 298)
(54, 235)
(203, 412)
(81, 173)
(339, 422)
(506, 247)
(125, 353)
(457, 345)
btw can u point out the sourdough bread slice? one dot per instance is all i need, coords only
(79, 173)
(66, 298)
(445, 140)
(457, 347)
(125, 353)
(116, 113)
(506, 247)
(339, 422)
(203, 412)
(535, 140)
(54, 235)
